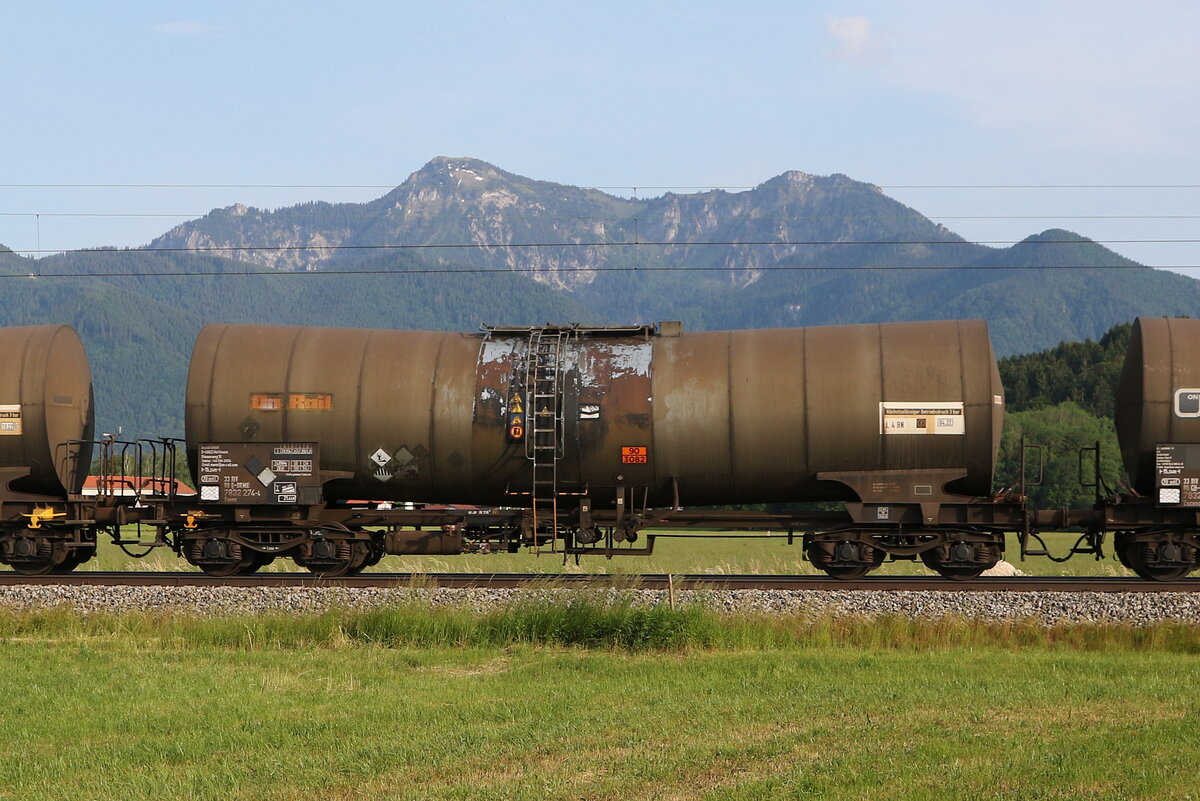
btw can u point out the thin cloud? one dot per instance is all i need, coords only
(1117, 82)
(853, 34)
(186, 28)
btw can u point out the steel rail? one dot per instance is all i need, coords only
(653, 581)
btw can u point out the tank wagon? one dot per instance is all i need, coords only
(601, 431)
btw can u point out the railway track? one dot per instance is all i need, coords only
(654, 581)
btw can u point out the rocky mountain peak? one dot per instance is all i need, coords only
(791, 178)
(454, 172)
(500, 219)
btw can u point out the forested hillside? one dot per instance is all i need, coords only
(1084, 373)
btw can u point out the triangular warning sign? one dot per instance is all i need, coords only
(516, 408)
(516, 420)
(516, 398)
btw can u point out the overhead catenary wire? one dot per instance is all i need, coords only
(607, 244)
(615, 218)
(636, 187)
(560, 270)
(93, 214)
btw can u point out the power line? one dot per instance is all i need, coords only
(1038, 186)
(92, 214)
(667, 187)
(609, 218)
(198, 186)
(490, 270)
(1053, 217)
(621, 244)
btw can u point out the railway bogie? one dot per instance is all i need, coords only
(1158, 555)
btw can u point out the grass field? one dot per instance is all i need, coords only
(381, 705)
(671, 555)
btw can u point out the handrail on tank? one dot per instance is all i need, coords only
(173, 444)
(104, 479)
(162, 479)
(1097, 480)
(76, 443)
(578, 329)
(154, 480)
(132, 479)
(70, 451)
(108, 482)
(1041, 451)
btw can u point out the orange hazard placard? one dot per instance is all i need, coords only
(635, 454)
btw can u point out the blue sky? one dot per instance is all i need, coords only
(620, 95)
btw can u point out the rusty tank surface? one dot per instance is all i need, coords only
(800, 414)
(46, 414)
(1158, 393)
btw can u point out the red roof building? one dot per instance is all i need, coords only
(129, 486)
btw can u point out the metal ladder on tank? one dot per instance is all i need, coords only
(543, 445)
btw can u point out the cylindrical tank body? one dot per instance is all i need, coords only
(1158, 393)
(721, 417)
(45, 404)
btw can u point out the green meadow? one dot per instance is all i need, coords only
(593, 700)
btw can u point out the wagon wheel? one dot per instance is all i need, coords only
(224, 569)
(952, 572)
(959, 573)
(256, 561)
(47, 557)
(1133, 556)
(356, 559)
(845, 560)
(219, 557)
(848, 572)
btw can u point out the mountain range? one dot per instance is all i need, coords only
(462, 242)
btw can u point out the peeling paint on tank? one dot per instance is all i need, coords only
(570, 359)
(493, 351)
(493, 373)
(490, 399)
(633, 359)
(600, 363)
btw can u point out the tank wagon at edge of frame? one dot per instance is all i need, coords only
(46, 422)
(334, 447)
(1156, 520)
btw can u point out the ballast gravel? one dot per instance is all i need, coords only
(1049, 608)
